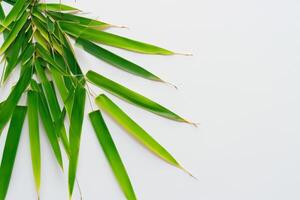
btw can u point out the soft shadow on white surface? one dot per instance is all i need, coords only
(242, 85)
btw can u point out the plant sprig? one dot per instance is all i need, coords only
(37, 39)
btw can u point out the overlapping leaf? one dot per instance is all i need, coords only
(111, 39)
(131, 96)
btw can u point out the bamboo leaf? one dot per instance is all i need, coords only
(95, 24)
(75, 133)
(115, 60)
(48, 122)
(14, 32)
(47, 57)
(14, 53)
(55, 7)
(110, 39)
(12, 100)
(131, 96)
(134, 129)
(10, 149)
(112, 154)
(52, 100)
(34, 136)
(18, 7)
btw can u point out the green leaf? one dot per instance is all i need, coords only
(48, 123)
(75, 133)
(112, 154)
(14, 53)
(95, 24)
(34, 136)
(47, 57)
(10, 149)
(134, 129)
(52, 100)
(18, 7)
(110, 39)
(64, 93)
(55, 7)
(13, 99)
(131, 96)
(115, 60)
(2, 16)
(14, 32)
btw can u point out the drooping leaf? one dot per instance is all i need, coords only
(34, 136)
(13, 99)
(134, 129)
(55, 7)
(110, 39)
(75, 133)
(131, 96)
(112, 154)
(10, 149)
(115, 60)
(48, 122)
(14, 32)
(52, 100)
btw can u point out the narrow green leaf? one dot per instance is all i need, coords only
(134, 129)
(112, 154)
(52, 100)
(10, 149)
(13, 99)
(34, 136)
(115, 60)
(48, 123)
(131, 96)
(18, 7)
(75, 133)
(14, 53)
(2, 17)
(110, 39)
(64, 93)
(55, 7)
(45, 32)
(14, 32)
(95, 24)
(47, 57)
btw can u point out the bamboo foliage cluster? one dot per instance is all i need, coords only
(37, 40)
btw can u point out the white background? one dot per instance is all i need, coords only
(242, 85)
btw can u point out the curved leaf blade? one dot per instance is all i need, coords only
(131, 96)
(134, 129)
(115, 60)
(111, 39)
(10, 148)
